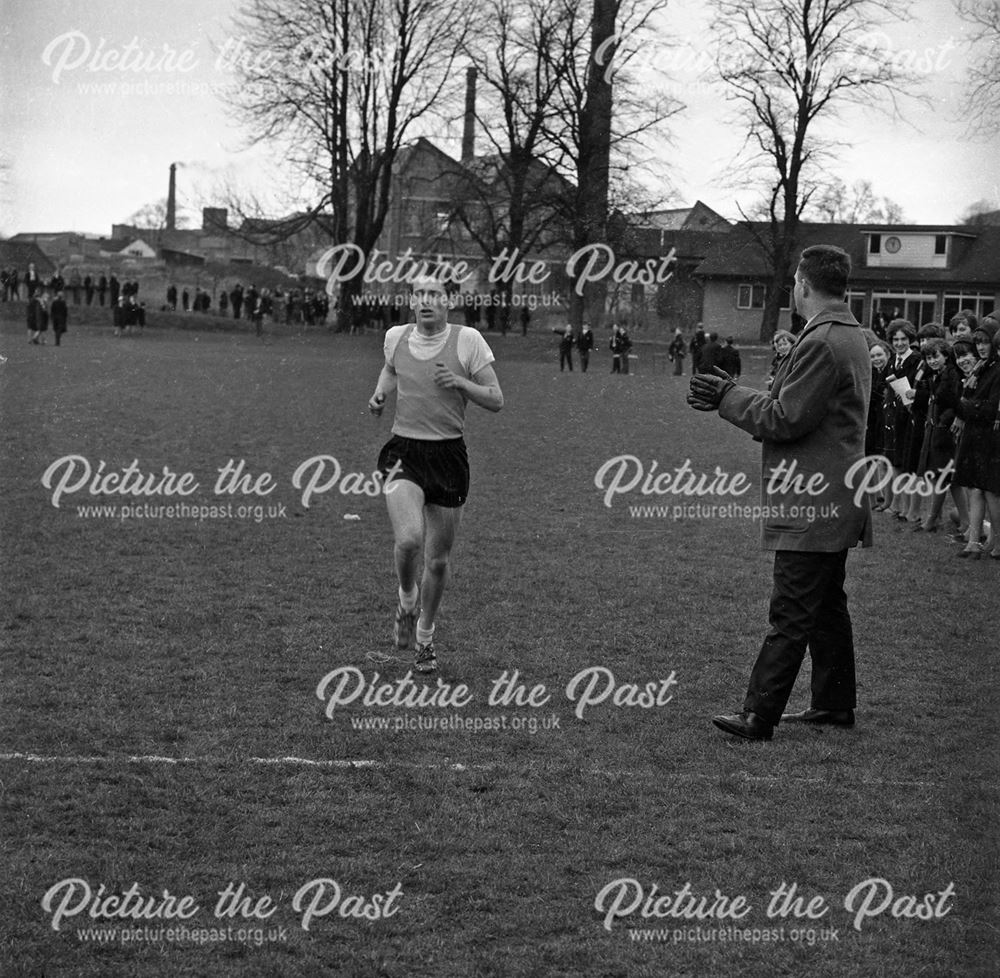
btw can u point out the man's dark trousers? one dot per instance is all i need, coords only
(808, 610)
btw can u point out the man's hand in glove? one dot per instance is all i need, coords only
(708, 390)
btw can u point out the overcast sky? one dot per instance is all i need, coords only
(87, 148)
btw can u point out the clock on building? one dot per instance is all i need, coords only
(892, 245)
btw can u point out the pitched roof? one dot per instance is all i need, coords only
(739, 255)
(17, 254)
(112, 246)
(698, 217)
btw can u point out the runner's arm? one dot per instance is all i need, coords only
(384, 386)
(483, 389)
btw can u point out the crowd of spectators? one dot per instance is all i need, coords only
(934, 421)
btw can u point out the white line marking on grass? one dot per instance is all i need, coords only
(359, 763)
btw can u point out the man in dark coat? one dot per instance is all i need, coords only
(699, 339)
(33, 316)
(32, 280)
(708, 355)
(729, 359)
(59, 314)
(812, 428)
(585, 344)
(102, 288)
(566, 344)
(119, 314)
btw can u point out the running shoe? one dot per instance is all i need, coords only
(424, 659)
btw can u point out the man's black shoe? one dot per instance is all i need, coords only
(828, 718)
(749, 726)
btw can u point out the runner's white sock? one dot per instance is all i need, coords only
(424, 635)
(409, 601)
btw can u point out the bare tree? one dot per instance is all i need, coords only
(510, 194)
(340, 86)
(837, 203)
(982, 213)
(982, 96)
(604, 114)
(791, 65)
(151, 219)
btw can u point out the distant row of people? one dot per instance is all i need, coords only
(23, 286)
(584, 344)
(303, 306)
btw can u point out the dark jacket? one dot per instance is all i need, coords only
(729, 360)
(708, 357)
(814, 416)
(60, 315)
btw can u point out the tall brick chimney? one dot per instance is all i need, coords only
(172, 199)
(469, 129)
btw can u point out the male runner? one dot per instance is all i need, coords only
(435, 367)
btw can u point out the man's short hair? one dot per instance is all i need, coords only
(827, 268)
(425, 280)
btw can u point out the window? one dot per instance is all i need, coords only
(856, 302)
(940, 244)
(750, 297)
(875, 244)
(981, 304)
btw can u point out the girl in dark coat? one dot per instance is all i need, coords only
(879, 353)
(977, 462)
(937, 448)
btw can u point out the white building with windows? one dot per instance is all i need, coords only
(922, 273)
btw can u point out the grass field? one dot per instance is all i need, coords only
(160, 694)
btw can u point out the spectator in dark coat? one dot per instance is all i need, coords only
(729, 359)
(977, 462)
(937, 447)
(677, 351)
(699, 339)
(585, 344)
(782, 343)
(32, 280)
(879, 353)
(59, 314)
(902, 367)
(34, 313)
(119, 316)
(566, 343)
(708, 356)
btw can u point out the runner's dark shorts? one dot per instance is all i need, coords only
(440, 468)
